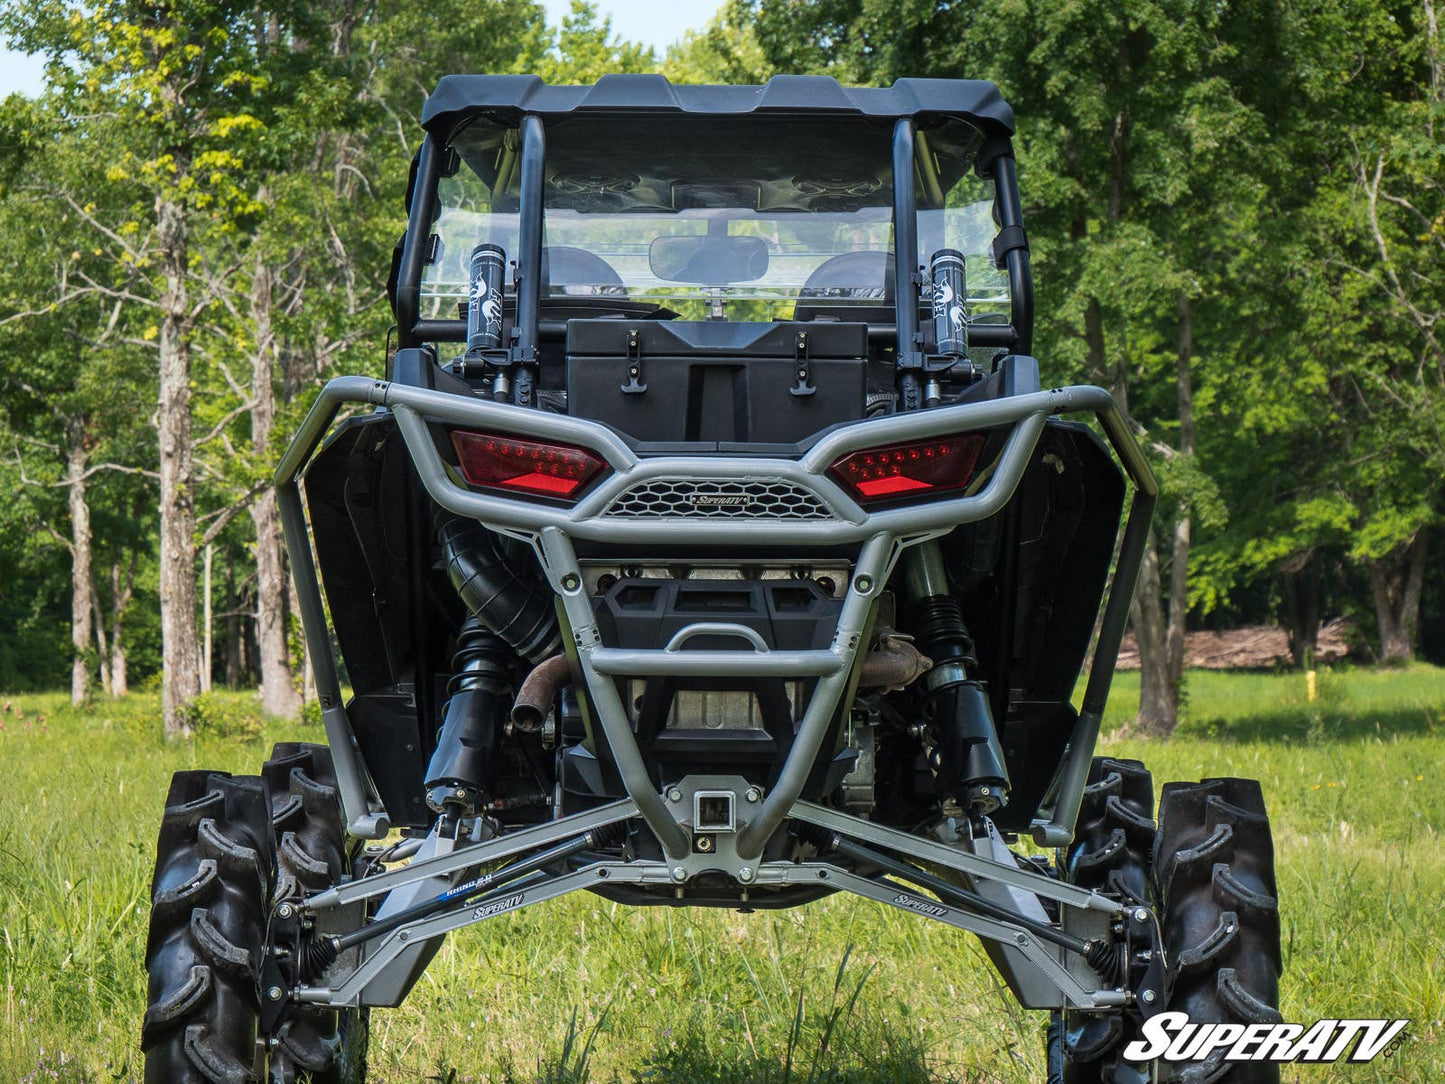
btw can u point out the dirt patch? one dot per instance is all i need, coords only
(1252, 647)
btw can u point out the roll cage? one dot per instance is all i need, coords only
(528, 104)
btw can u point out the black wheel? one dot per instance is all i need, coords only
(210, 899)
(1111, 853)
(1210, 875)
(1214, 880)
(319, 1045)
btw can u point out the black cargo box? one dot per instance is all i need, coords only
(716, 381)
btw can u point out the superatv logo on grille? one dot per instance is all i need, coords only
(1172, 1037)
(923, 907)
(716, 500)
(496, 908)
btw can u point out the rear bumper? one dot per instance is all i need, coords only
(879, 537)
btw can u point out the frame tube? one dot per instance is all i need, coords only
(966, 862)
(455, 331)
(869, 575)
(362, 820)
(1020, 277)
(905, 262)
(472, 855)
(418, 228)
(353, 988)
(882, 534)
(529, 259)
(561, 563)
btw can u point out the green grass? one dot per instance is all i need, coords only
(840, 991)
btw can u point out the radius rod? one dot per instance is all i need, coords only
(322, 952)
(949, 893)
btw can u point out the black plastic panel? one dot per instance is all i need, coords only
(790, 615)
(717, 381)
(392, 610)
(509, 97)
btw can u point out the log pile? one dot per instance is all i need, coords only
(1252, 647)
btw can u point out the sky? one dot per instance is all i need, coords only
(658, 23)
(19, 72)
(650, 22)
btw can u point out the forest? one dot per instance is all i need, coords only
(1236, 214)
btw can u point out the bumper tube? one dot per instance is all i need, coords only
(879, 535)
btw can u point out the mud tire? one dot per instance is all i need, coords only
(322, 1046)
(210, 901)
(1112, 853)
(1215, 884)
(1209, 873)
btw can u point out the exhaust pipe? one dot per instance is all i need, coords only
(539, 692)
(893, 664)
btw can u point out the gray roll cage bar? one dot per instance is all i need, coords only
(1039, 972)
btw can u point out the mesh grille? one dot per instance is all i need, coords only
(690, 498)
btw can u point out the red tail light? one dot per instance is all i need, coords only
(916, 469)
(524, 466)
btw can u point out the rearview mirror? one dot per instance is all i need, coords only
(708, 260)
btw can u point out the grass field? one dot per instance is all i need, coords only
(839, 991)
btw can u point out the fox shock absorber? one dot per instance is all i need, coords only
(967, 758)
(463, 770)
(947, 299)
(484, 299)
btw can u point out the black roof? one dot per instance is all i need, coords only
(508, 97)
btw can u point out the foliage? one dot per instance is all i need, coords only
(727, 50)
(223, 715)
(1281, 166)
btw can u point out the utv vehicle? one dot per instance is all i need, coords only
(710, 541)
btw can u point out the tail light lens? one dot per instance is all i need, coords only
(910, 470)
(524, 466)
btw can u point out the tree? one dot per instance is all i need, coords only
(69, 379)
(726, 50)
(585, 49)
(1339, 406)
(1129, 127)
(184, 87)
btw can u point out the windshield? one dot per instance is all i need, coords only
(739, 217)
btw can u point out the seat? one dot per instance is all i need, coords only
(578, 273)
(850, 281)
(577, 284)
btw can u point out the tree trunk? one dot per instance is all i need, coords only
(120, 595)
(1395, 583)
(1300, 611)
(1158, 695)
(1160, 633)
(233, 629)
(1183, 526)
(1095, 363)
(207, 632)
(278, 689)
(82, 602)
(102, 649)
(180, 660)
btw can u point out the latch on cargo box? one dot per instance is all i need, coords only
(634, 385)
(801, 368)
